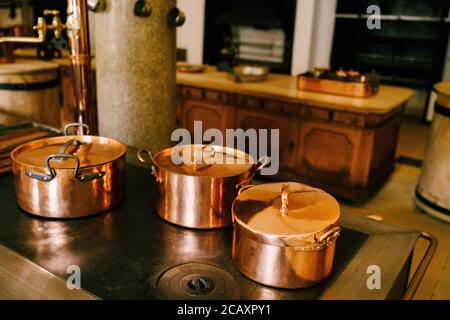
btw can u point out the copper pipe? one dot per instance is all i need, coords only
(80, 56)
(80, 61)
(41, 29)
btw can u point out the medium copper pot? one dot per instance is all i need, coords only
(198, 192)
(69, 176)
(285, 234)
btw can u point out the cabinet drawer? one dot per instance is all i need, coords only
(251, 102)
(349, 118)
(316, 113)
(279, 106)
(219, 96)
(192, 92)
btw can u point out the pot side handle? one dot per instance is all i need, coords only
(80, 127)
(52, 172)
(262, 162)
(143, 155)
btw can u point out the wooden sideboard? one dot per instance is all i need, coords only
(341, 144)
(346, 153)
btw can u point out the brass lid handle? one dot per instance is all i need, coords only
(284, 199)
(199, 162)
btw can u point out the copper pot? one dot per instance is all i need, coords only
(69, 176)
(285, 234)
(198, 192)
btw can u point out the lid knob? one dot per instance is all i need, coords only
(284, 199)
(199, 162)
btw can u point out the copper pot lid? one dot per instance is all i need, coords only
(204, 160)
(89, 150)
(288, 213)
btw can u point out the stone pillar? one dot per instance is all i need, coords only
(136, 66)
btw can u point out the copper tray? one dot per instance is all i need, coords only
(346, 88)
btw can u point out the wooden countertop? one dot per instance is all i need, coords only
(282, 87)
(285, 87)
(443, 91)
(27, 66)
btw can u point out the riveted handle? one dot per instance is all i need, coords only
(80, 127)
(316, 244)
(143, 154)
(243, 188)
(52, 172)
(262, 162)
(329, 235)
(68, 143)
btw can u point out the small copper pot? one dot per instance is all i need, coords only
(285, 234)
(198, 193)
(69, 176)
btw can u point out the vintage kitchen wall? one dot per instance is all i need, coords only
(312, 41)
(313, 38)
(24, 15)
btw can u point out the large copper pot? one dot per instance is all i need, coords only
(198, 193)
(285, 234)
(69, 176)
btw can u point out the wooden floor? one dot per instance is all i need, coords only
(395, 203)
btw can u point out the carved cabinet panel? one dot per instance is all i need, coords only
(329, 153)
(287, 127)
(212, 115)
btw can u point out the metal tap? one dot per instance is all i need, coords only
(41, 28)
(80, 57)
(57, 26)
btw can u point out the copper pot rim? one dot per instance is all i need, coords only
(84, 138)
(168, 151)
(288, 241)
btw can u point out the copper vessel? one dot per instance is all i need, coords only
(69, 176)
(285, 234)
(199, 192)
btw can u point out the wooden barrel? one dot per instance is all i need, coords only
(30, 89)
(433, 189)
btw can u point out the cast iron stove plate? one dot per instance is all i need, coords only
(130, 253)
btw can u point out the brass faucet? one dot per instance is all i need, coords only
(41, 27)
(80, 58)
(57, 26)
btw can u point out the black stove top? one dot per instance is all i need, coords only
(130, 253)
